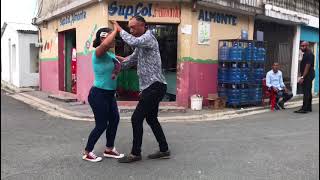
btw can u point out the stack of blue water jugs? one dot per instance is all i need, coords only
(241, 70)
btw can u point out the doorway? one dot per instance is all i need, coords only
(167, 36)
(67, 42)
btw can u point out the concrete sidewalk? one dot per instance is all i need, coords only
(82, 112)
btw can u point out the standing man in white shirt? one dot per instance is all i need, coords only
(274, 81)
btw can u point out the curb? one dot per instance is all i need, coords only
(55, 110)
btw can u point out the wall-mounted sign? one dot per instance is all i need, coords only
(204, 33)
(186, 29)
(143, 9)
(72, 18)
(217, 17)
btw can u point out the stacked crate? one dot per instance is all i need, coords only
(241, 70)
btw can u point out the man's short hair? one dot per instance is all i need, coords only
(139, 18)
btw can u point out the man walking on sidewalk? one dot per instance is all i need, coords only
(307, 76)
(152, 86)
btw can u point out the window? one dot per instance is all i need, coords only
(14, 58)
(34, 59)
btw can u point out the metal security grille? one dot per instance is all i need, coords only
(284, 59)
(281, 53)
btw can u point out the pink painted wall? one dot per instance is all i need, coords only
(195, 78)
(85, 77)
(192, 78)
(49, 76)
(183, 84)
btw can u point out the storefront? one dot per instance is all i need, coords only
(199, 33)
(188, 41)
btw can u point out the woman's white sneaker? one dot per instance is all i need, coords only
(112, 154)
(91, 157)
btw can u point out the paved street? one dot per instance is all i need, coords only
(280, 145)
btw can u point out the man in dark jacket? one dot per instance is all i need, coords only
(307, 75)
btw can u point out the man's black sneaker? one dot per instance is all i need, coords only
(301, 111)
(159, 154)
(281, 104)
(129, 159)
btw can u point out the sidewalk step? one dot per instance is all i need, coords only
(177, 109)
(64, 97)
(14, 89)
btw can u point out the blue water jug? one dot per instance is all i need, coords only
(234, 95)
(244, 73)
(223, 73)
(222, 90)
(262, 54)
(244, 34)
(240, 52)
(244, 95)
(234, 74)
(257, 95)
(224, 52)
(251, 52)
(233, 52)
(259, 75)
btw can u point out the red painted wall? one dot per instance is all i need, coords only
(49, 76)
(196, 78)
(183, 84)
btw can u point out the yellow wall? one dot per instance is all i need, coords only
(96, 15)
(49, 36)
(185, 40)
(218, 32)
(155, 11)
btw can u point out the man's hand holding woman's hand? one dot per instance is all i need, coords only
(116, 26)
(120, 58)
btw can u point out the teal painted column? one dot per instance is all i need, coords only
(316, 82)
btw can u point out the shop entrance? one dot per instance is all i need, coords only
(67, 45)
(279, 38)
(167, 36)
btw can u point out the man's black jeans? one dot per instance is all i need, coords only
(286, 96)
(148, 108)
(106, 115)
(307, 93)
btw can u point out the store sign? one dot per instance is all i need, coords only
(217, 17)
(204, 32)
(72, 18)
(143, 9)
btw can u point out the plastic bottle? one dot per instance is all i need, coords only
(239, 52)
(224, 52)
(223, 73)
(233, 52)
(244, 34)
(234, 74)
(262, 53)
